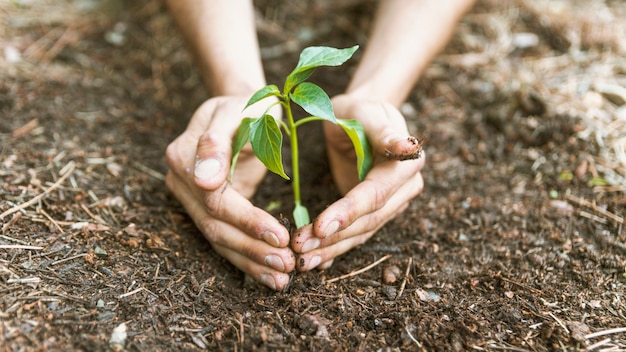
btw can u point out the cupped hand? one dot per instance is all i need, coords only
(366, 206)
(199, 161)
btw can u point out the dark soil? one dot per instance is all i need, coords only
(517, 242)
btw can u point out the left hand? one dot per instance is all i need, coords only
(366, 206)
(199, 160)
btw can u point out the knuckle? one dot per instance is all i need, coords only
(210, 230)
(374, 222)
(213, 202)
(171, 154)
(380, 196)
(249, 249)
(250, 225)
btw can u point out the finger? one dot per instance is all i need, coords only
(315, 258)
(383, 123)
(273, 279)
(224, 235)
(230, 207)
(264, 263)
(355, 235)
(212, 159)
(326, 265)
(305, 241)
(182, 154)
(382, 182)
(405, 149)
(214, 149)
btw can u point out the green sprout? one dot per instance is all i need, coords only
(264, 132)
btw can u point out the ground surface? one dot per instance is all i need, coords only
(517, 242)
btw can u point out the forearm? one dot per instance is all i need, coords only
(407, 35)
(222, 36)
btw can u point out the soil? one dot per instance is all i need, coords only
(517, 242)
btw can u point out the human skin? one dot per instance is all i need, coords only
(406, 35)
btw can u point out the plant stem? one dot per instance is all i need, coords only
(293, 138)
(308, 119)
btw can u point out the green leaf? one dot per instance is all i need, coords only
(270, 90)
(597, 181)
(313, 57)
(314, 100)
(355, 131)
(301, 215)
(241, 138)
(267, 140)
(566, 176)
(296, 78)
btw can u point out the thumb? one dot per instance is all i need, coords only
(212, 160)
(388, 133)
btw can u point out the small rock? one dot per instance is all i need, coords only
(427, 296)
(391, 274)
(12, 55)
(313, 324)
(562, 207)
(390, 292)
(581, 169)
(595, 303)
(200, 340)
(612, 92)
(578, 330)
(100, 252)
(118, 337)
(525, 40)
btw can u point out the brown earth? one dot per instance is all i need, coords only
(517, 242)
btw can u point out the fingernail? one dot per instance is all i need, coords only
(206, 169)
(275, 262)
(315, 261)
(331, 228)
(270, 238)
(268, 281)
(310, 245)
(326, 265)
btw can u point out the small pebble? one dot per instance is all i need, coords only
(390, 292)
(391, 274)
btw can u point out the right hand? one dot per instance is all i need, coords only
(366, 206)
(199, 161)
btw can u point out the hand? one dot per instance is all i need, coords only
(199, 160)
(366, 206)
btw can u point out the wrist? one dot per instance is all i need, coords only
(369, 92)
(235, 86)
(372, 91)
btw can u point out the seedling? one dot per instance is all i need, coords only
(264, 132)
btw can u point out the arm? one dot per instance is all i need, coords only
(228, 55)
(407, 34)
(222, 36)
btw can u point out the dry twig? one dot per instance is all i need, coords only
(559, 322)
(594, 207)
(357, 272)
(68, 259)
(19, 246)
(36, 199)
(10, 223)
(598, 344)
(406, 276)
(605, 332)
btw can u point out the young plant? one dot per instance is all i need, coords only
(264, 132)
